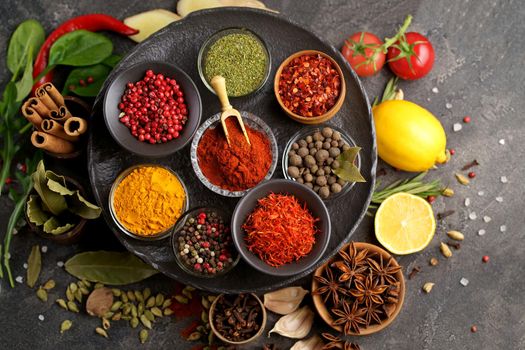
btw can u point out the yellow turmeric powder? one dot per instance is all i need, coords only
(149, 200)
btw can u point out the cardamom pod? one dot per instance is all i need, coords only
(151, 302)
(187, 293)
(87, 284)
(296, 324)
(65, 326)
(145, 322)
(72, 307)
(204, 316)
(116, 306)
(166, 303)
(98, 285)
(146, 293)
(116, 292)
(78, 295)
(149, 315)
(156, 311)
(194, 336)
(105, 323)
(126, 309)
(448, 192)
(138, 295)
(284, 301)
(427, 287)
(73, 287)
(134, 322)
(69, 295)
(456, 235)
(117, 316)
(143, 336)
(211, 336)
(462, 179)
(134, 311)
(131, 296)
(140, 308)
(81, 284)
(159, 300)
(101, 331)
(108, 314)
(49, 285)
(445, 250)
(205, 303)
(181, 299)
(84, 291)
(168, 312)
(125, 317)
(189, 288)
(62, 303)
(434, 261)
(211, 298)
(41, 294)
(124, 297)
(34, 266)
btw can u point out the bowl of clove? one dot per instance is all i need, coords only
(237, 319)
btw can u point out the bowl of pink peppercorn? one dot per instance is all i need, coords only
(152, 109)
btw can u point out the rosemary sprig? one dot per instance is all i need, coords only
(414, 186)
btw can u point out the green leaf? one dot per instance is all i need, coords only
(34, 265)
(80, 206)
(25, 42)
(53, 201)
(57, 187)
(112, 60)
(347, 170)
(98, 72)
(80, 48)
(55, 227)
(112, 268)
(24, 85)
(35, 213)
(11, 106)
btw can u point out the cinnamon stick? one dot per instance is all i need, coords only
(52, 127)
(75, 126)
(61, 114)
(46, 99)
(52, 92)
(31, 114)
(51, 143)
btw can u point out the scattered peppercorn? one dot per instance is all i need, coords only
(82, 82)
(466, 119)
(452, 151)
(485, 258)
(474, 329)
(90, 80)
(472, 174)
(431, 199)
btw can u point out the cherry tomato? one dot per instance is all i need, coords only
(411, 57)
(362, 51)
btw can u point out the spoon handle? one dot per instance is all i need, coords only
(219, 85)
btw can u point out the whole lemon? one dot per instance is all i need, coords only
(409, 137)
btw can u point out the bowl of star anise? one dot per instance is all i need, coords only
(359, 291)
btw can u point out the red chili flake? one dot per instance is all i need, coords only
(90, 80)
(474, 329)
(472, 174)
(82, 82)
(452, 151)
(309, 85)
(185, 333)
(485, 258)
(466, 119)
(280, 230)
(431, 199)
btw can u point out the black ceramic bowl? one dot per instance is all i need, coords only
(305, 195)
(122, 134)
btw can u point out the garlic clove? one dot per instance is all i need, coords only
(312, 343)
(296, 325)
(284, 301)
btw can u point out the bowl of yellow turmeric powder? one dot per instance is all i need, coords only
(146, 201)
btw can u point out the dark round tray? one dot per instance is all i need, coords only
(179, 43)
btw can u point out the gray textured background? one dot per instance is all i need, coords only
(478, 72)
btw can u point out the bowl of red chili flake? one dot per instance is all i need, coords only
(310, 87)
(281, 228)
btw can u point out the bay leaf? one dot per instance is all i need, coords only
(35, 213)
(34, 265)
(110, 268)
(80, 206)
(57, 183)
(347, 170)
(55, 227)
(55, 202)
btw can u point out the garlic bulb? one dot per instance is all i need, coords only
(312, 343)
(295, 325)
(284, 301)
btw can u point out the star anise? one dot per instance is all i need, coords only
(372, 313)
(368, 291)
(349, 317)
(350, 272)
(334, 342)
(351, 346)
(354, 257)
(384, 271)
(330, 287)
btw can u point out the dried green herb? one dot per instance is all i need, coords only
(347, 170)
(112, 268)
(34, 265)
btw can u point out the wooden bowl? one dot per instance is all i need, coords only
(325, 314)
(313, 120)
(226, 340)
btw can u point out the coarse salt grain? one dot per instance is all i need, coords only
(499, 199)
(503, 228)
(464, 282)
(467, 202)
(448, 105)
(44, 249)
(25, 266)
(19, 279)
(487, 218)
(435, 90)
(60, 263)
(457, 127)
(473, 216)
(41, 317)
(481, 232)
(481, 193)
(504, 179)
(501, 141)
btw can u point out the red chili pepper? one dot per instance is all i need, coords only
(92, 22)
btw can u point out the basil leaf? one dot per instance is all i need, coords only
(34, 265)
(80, 48)
(98, 72)
(347, 170)
(111, 268)
(112, 60)
(24, 45)
(80, 206)
(35, 213)
(24, 85)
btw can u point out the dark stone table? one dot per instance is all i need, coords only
(478, 72)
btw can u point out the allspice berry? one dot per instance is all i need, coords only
(334, 152)
(336, 188)
(327, 132)
(309, 161)
(336, 135)
(303, 151)
(308, 178)
(321, 180)
(322, 155)
(324, 192)
(295, 160)
(293, 171)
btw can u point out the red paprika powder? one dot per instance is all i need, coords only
(236, 167)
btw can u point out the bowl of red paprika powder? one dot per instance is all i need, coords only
(232, 170)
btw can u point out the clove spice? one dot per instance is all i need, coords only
(237, 317)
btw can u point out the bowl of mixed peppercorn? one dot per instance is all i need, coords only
(203, 244)
(310, 87)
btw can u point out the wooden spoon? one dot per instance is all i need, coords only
(219, 85)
